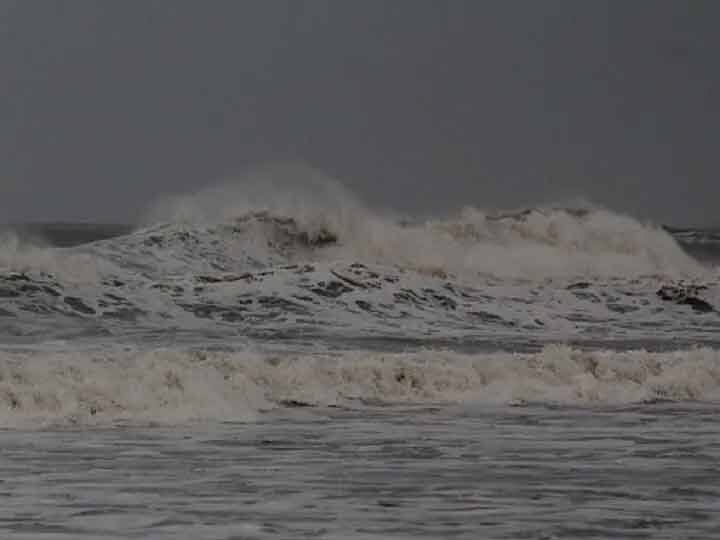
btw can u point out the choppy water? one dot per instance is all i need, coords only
(532, 472)
(318, 371)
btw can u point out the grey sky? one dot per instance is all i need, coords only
(419, 105)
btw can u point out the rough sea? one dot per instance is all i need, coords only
(305, 369)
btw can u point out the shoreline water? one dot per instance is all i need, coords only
(162, 385)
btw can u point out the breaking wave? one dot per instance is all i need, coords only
(270, 256)
(536, 243)
(305, 262)
(170, 386)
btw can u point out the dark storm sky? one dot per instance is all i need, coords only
(418, 105)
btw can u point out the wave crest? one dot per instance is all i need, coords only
(536, 243)
(170, 386)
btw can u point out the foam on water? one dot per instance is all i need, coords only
(269, 258)
(168, 386)
(537, 243)
(272, 256)
(157, 387)
(21, 255)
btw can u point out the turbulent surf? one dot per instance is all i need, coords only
(274, 283)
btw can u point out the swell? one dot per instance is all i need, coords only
(170, 386)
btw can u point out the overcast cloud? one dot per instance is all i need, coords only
(418, 105)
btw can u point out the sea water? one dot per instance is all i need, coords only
(316, 370)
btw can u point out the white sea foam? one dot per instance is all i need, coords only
(220, 228)
(161, 386)
(21, 255)
(276, 255)
(169, 386)
(534, 244)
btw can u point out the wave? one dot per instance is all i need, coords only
(534, 243)
(288, 214)
(344, 299)
(304, 258)
(170, 386)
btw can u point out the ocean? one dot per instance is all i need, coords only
(314, 370)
